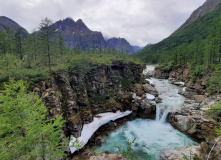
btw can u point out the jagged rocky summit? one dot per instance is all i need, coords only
(78, 33)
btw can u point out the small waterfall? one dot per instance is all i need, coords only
(164, 116)
(161, 117)
(158, 112)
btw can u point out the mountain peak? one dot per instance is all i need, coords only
(6, 22)
(120, 44)
(69, 26)
(80, 26)
(69, 19)
(79, 21)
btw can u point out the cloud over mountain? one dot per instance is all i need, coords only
(139, 21)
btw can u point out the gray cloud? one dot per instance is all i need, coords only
(139, 21)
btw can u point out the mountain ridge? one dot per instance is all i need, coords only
(6, 23)
(78, 33)
(207, 7)
(199, 28)
(120, 44)
(74, 33)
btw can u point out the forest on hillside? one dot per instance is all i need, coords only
(197, 46)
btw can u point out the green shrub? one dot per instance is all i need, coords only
(128, 152)
(126, 83)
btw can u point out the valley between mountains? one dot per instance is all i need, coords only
(69, 93)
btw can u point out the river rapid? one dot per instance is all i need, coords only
(152, 136)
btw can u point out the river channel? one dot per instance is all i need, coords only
(152, 136)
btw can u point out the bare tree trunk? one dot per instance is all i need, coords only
(49, 57)
(43, 147)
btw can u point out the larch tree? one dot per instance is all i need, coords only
(25, 132)
(61, 44)
(47, 37)
(19, 39)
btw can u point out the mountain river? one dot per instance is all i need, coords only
(152, 136)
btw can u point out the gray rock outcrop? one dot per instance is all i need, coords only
(192, 120)
(80, 96)
(188, 152)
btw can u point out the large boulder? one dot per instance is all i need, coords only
(187, 94)
(199, 98)
(191, 120)
(182, 153)
(161, 74)
(184, 123)
(147, 108)
(150, 89)
(105, 156)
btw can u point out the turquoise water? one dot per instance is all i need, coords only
(152, 136)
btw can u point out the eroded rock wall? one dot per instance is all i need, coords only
(78, 96)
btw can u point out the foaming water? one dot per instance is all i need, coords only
(152, 136)
(158, 112)
(168, 93)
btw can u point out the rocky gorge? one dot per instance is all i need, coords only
(80, 97)
(191, 118)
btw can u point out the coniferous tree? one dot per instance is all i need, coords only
(19, 38)
(25, 133)
(77, 48)
(61, 45)
(47, 37)
(2, 43)
(31, 48)
(9, 41)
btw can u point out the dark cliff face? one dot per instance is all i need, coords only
(78, 33)
(69, 26)
(120, 44)
(207, 7)
(78, 97)
(7, 23)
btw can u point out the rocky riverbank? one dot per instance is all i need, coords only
(80, 96)
(191, 118)
(181, 76)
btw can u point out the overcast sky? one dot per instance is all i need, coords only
(139, 21)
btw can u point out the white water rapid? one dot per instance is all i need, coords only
(152, 136)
